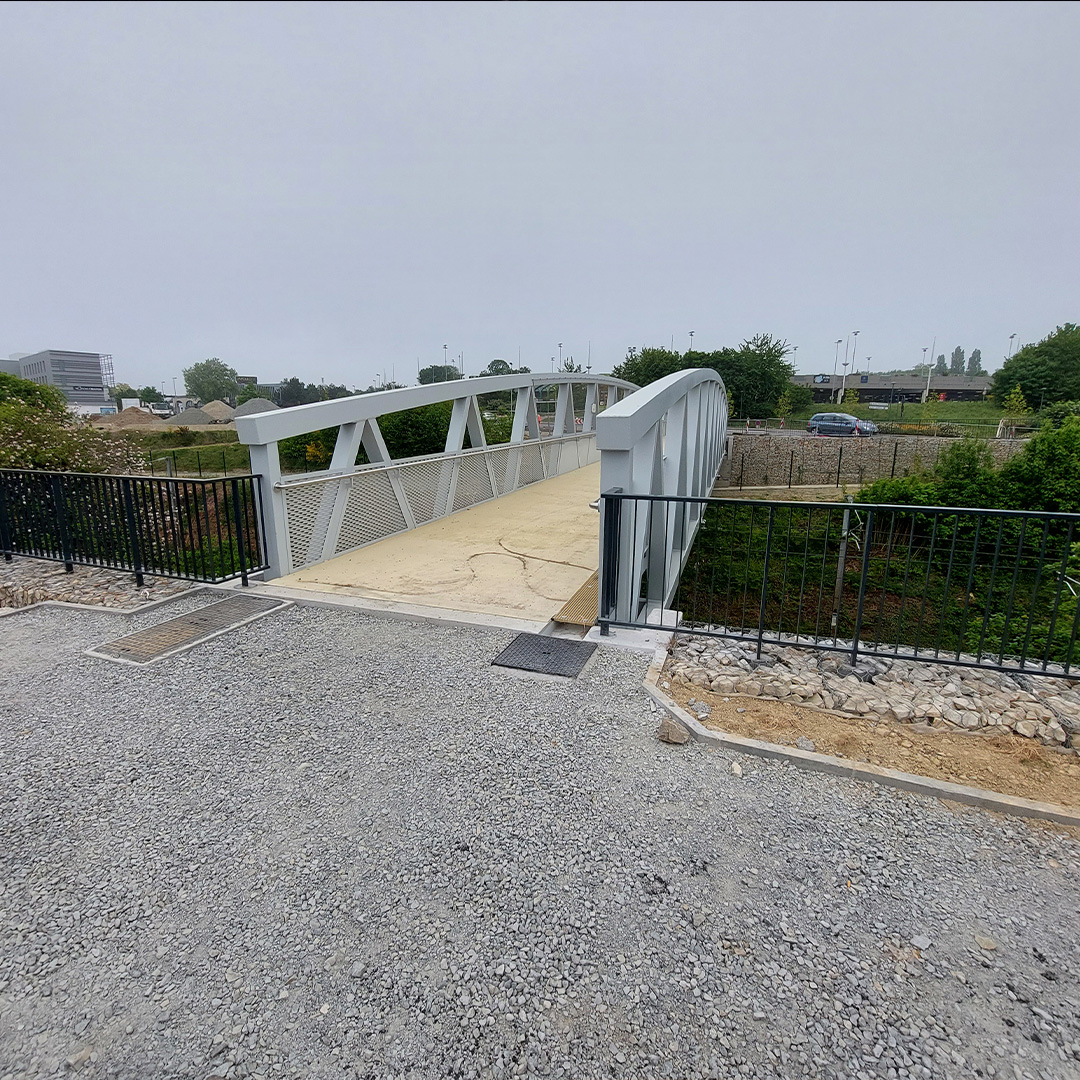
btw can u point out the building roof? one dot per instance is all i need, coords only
(912, 382)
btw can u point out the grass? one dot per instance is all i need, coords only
(212, 460)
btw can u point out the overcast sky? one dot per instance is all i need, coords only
(332, 190)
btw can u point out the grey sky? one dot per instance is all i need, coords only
(328, 190)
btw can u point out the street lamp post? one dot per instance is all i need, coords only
(836, 356)
(560, 355)
(691, 340)
(1012, 341)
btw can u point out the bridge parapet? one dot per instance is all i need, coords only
(665, 441)
(315, 516)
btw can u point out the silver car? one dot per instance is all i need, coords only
(829, 423)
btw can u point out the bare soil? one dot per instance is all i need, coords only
(1007, 764)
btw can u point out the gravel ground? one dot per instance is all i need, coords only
(333, 846)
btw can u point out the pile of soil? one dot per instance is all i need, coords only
(218, 411)
(129, 418)
(192, 418)
(1004, 763)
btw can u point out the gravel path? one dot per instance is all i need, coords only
(333, 846)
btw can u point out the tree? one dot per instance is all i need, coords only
(149, 394)
(437, 373)
(974, 364)
(247, 392)
(800, 398)
(121, 391)
(40, 433)
(1055, 415)
(1045, 475)
(570, 367)
(1015, 404)
(755, 374)
(497, 367)
(1048, 371)
(940, 367)
(851, 396)
(210, 380)
(956, 361)
(650, 364)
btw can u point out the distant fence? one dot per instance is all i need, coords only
(976, 588)
(800, 460)
(1007, 428)
(202, 530)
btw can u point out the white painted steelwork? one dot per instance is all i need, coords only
(667, 439)
(316, 516)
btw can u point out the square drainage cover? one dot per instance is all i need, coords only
(547, 655)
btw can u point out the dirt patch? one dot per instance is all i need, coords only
(1003, 763)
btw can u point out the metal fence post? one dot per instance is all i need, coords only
(609, 563)
(241, 534)
(867, 534)
(133, 532)
(5, 527)
(764, 579)
(62, 522)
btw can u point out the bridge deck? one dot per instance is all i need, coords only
(522, 556)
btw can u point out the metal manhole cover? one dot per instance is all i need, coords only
(547, 655)
(186, 631)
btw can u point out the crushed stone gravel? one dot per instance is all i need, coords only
(329, 845)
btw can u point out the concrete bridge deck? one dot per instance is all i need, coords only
(520, 557)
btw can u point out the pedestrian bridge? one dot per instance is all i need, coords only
(508, 529)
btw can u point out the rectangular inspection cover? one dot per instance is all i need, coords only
(546, 655)
(186, 631)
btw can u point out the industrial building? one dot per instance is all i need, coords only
(891, 388)
(84, 378)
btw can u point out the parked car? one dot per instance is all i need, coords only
(830, 423)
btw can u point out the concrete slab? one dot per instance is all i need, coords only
(521, 557)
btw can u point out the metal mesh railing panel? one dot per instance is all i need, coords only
(474, 482)
(301, 510)
(420, 481)
(372, 511)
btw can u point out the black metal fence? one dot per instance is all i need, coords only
(978, 588)
(203, 530)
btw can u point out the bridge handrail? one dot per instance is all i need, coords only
(277, 424)
(667, 439)
(357, 421)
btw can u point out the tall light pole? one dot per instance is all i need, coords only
(553, 364)
(1012, 340)
(794, 354)
(560, 355)
(691, 340)
(836, 356)
(174, 387)
(854, 346)
(868, 359)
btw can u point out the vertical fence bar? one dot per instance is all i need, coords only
(60, 509)
(612, 503)
(765, 581)
(5, 525)
(239, 522)
(133, 532)
(867, 533)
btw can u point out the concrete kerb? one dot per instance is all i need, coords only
(874, 774)
(67, 605)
